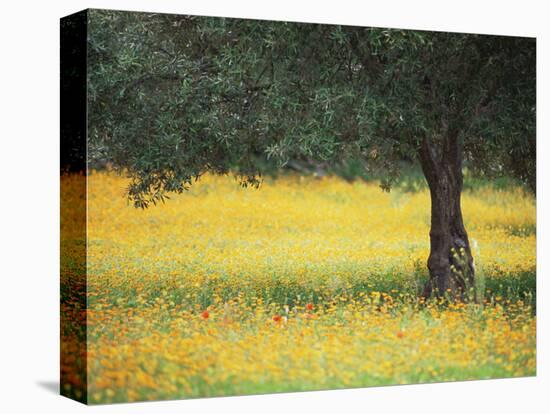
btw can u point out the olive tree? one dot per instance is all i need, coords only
(172, 97)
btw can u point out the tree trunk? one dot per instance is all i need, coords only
(450, 263)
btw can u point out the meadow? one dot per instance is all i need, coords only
(304, 284)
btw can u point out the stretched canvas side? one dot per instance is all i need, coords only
(73, 181)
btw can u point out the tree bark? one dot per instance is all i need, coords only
(450, 263)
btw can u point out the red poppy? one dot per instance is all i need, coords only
(309, 306)
(277, 318)
(400, 334)
(205, 315)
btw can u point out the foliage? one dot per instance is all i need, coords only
(173, 97)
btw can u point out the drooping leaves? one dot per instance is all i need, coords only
(172, 97)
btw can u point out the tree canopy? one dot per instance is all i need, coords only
(171, 97)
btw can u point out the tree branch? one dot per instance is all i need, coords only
(428, 161)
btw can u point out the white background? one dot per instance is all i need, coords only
(29, 216)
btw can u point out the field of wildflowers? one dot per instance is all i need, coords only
(303, 284)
